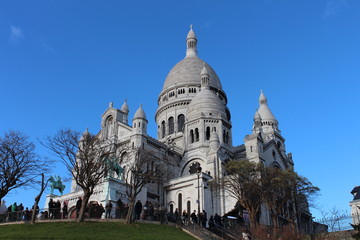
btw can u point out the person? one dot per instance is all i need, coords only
(14, 211)
(27, 214)
(184, 218)
(36, 210)
(119, 208)
(193, 217)
(176, 215)
(211, 222)
(65, 210)
(20, 211)
(217, 220)
(151, 211)
(100, 210)
(51, 206)
(138, 209)
(204, 219)
(57, 207)
(78, 206)
(108, 208)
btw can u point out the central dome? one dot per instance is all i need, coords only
(187, 72)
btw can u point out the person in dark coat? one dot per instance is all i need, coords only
(65, 210)
(217, 220)
(211, 222)
(51, 206)
(193, 217)
(78, 206)
(204, 219)
(138, 209)
(119, 209)
(108, 208)
(57, 206)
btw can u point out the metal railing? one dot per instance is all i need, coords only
(340, 222)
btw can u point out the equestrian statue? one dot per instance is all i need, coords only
(56, 183)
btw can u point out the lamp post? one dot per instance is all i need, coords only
(198, 172)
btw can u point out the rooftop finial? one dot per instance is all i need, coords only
(191, 43)
(125, 107)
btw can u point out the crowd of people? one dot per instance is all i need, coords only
(112, 209)
(17, 212)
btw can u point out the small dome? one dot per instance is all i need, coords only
(140, 113)
(191, 34)
(125, 107)
(204, 71)
(264, 110)
(206, 102)
(188, 71)
(257, 116)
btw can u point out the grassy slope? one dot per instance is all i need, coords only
(91, 230)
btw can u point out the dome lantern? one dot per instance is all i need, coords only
(205, 77)
(191, 44)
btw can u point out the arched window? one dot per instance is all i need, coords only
(196, 134)
(188, 207)
(191, 136)
(108, 121)
(163, 129)
(181, 121)
(207, 133)
(171, 125)
(171, 208)
(180, 203)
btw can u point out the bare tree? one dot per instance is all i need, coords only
(141, 168)
(243, 182)
(277, 190)
(333, 218)
(20, 166)
(253, 184)
(83, 157)
(37, 198)
(286, 190)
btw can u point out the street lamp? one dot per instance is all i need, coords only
(198, 172)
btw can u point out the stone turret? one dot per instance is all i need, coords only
(140, 122)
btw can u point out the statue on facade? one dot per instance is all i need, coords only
(56, 183)
(114, 166)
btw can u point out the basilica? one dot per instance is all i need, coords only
(194, 130)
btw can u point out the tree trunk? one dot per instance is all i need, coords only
(33, 215)
(129, 216)
(274, 217)
(37, 198)
(252, 219)
(85, 200)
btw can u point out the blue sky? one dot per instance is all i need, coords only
(62, 62)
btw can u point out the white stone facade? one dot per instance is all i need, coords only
(355, 205)
(194, 129)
